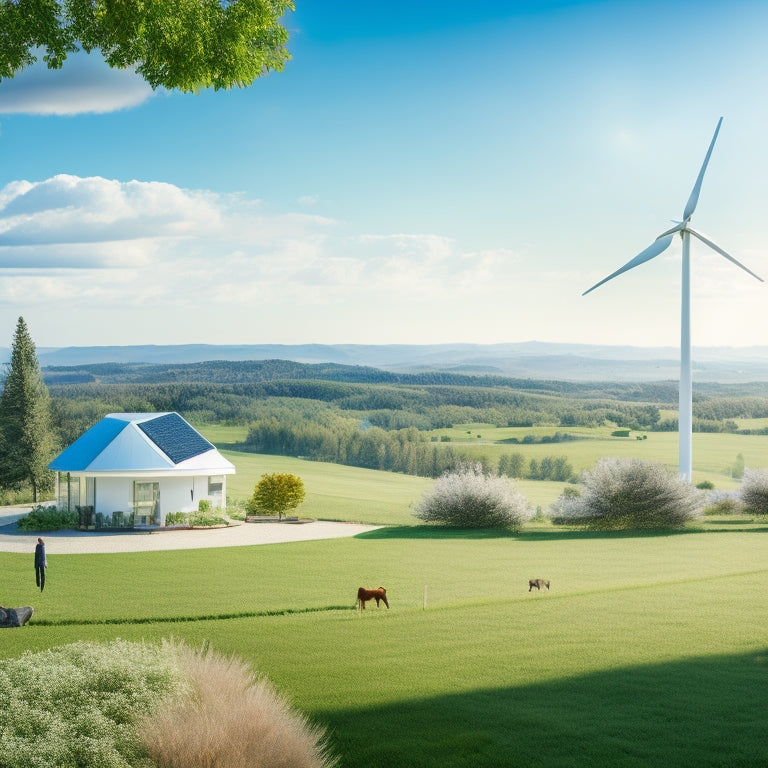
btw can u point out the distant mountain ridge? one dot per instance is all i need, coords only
(532, 359)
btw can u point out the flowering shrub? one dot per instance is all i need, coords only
(134, 705)
(619, 494)
(723, 503)
(71, 705)
(467, 498)
(754, 491)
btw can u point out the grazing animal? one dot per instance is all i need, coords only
(364, 594)
(538, 583)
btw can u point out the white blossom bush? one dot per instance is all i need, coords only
(721, 502)
(73, 705)
(468, 498)
(754, 491)
(619, 494)
(137, 705)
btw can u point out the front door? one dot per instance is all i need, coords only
(146, 503)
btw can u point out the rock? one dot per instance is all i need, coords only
(15, 617)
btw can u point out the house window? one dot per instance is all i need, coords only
(146, 503)
(215, 485)
(69, 493)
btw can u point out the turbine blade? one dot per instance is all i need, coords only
(654, 249)
(719, 250)
(690, 206)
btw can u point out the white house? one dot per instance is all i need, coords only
(135, 468)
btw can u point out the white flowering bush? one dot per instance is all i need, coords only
(621, 494)
(721, 502)
(754, 491)
(136, 705)
(73, 705)
(468, 498)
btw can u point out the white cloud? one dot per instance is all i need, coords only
(84, 84)
(171, 265)
(40, 220)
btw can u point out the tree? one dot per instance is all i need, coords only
(275, 494)
(27, 445)
(468, 498)
(620, 494)
(184, 44)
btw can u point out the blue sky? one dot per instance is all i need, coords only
(419, 173)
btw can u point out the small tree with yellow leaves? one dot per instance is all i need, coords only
(276, 494)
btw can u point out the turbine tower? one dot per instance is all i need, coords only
(659, 245)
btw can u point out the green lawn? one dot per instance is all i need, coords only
(649, 650)
(713, 453)
(336, 492)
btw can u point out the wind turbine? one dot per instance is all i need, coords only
(659, 245)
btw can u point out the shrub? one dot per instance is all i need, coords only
(230, 718)
(204, 505)
(705, 485)
(467, 498)
(47, 518)
(236, 509)
(78, 705)
(72, 705)
(723, 503)
(206, 519)
(620, 494)
(754, 491)
(177, 518)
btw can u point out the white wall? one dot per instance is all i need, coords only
(116, 493)
(113, 494)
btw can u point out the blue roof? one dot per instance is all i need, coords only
(126, 442)
(88, 446)
(174, 437)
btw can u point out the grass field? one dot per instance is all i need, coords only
(713, 453)
(649, 650)
(335, 492)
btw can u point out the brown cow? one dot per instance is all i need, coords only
(364, 594)
(538, 583)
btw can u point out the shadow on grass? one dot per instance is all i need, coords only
(687, 714)
(436, 532)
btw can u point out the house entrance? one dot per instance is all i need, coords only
(146, 503)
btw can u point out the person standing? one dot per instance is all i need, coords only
(40, 564)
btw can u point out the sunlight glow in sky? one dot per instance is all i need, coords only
(433, 174)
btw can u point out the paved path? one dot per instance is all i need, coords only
(246, 534)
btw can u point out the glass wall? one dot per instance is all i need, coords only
(146, 503)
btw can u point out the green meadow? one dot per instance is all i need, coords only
(336, 492)
(649, 650)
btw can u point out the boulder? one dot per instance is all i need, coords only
(15, 617)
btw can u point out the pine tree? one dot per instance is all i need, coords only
(26, 438)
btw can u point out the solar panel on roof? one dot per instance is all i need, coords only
(174, 437)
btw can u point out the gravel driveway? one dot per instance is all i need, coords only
(245, 534)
